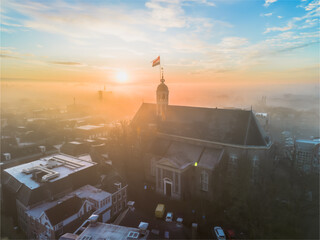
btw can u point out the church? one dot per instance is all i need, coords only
(188, 143)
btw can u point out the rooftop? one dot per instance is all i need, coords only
(183, 154)
(110, 232)
(89, 191)
(309, 141)
(50, 169)
(84, 193)
(90, 127)
(64, 210)
(228, 126)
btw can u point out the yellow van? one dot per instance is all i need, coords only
(160, 211)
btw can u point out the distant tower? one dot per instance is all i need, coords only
(100, 94)
(162, 98)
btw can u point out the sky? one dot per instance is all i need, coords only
(219, 42)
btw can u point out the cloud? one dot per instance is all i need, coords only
(281, 29)
(280, 17)
(166, 14)
(268, 2)
(297, 47)
(8, 56)
(266, 14)
(2, 29)
(67, 63)
(233, 42)
(312, 18)
(10, 24)
(84, 21)
(312, 5)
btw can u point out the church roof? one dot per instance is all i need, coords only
(179, 154)
(228, 126)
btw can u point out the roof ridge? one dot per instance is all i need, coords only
(247, 131)
(204, 148)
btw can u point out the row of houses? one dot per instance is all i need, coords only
(55, 194)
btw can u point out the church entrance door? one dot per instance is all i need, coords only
(167, 187)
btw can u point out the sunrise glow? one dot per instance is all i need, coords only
(122, 77)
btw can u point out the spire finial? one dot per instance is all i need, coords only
(162, 79)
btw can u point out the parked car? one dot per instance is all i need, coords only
(159, 212)
(169, 217)
(230, 234)
(179, 222)
(218, 233)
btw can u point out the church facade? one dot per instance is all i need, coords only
(189, 143)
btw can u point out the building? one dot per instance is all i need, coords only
(28, 185)
(98, 231)
(75, 148)
(188, 143)
(91, 131)
(307, 155)
(264, 120)
(113, 184)
(51, 219)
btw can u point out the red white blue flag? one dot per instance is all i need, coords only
(156, 61)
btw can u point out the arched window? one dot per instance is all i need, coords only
(204, 181)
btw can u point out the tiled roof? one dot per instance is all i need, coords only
(64, 210)
(230, 126)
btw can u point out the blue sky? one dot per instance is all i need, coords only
(197, 39)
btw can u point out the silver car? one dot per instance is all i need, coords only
(219, 233)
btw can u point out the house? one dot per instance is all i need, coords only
(75, 148)
(188, 143)
(50, 219)
(91, 131)
(98, 231)
(28, 185)
(64, 215)
(307, 155)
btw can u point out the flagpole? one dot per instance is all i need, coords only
(160, 68)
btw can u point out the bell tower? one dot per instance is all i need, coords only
(162, 98)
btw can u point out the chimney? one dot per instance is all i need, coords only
(7, 156)
(143, 226)
(42, 149)
(93, 219)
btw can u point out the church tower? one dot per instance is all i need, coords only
(162, 98)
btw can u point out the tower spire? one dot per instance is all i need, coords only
(162, 78)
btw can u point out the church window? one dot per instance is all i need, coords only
(233, 158)
(204, 181)
(176, 182)
(159, 178)
(153, 167)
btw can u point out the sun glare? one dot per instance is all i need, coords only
(122, 77)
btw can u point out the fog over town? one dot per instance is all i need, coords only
(159, 119)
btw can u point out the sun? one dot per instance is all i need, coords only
(122, 77)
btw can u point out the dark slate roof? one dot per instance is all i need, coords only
(183, 154)
(210, 157)
(63, 210)
(74, 148)
(229, 126)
